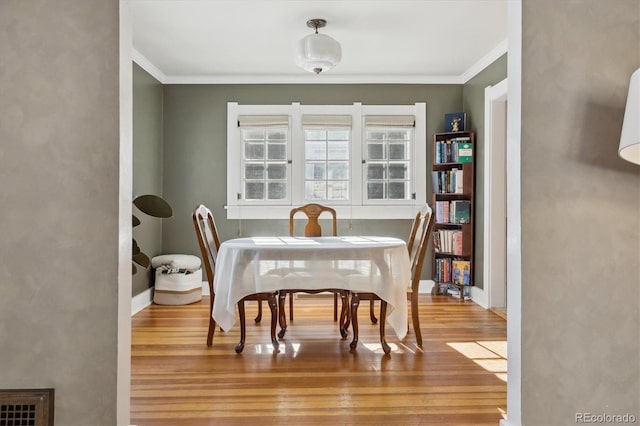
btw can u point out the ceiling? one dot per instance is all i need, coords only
(253, 41)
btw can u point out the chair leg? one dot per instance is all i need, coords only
(372, 313)
(383, 319)
(415, 317)
(243, 327)
(355, 301)
(344, 314)
(335, 306)
(274, 320)
(291, 307)
(212, 329)
(259, 316)
(282, 315)
(212, 323)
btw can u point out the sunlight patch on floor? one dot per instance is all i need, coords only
(491, 355)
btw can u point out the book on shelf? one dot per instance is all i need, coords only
(448, 241)
(461, 211)
(448, 181)
(461, 271)
(454, 150)
(465, 152)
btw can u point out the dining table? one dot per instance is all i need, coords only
(374, 264)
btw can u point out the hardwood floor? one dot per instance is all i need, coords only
(458, 378)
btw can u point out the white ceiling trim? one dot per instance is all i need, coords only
(148, 66)
(485, 61)
(476, 68)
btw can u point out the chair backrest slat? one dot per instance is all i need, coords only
(423, 233)
(208, 240)
(313, 212)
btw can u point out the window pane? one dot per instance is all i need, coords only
(315, 190)
(338, 151)
(254, 190)
(375, 135)
(375, 191)
(398, 151)
(254, 151)
(376, 171)
(398, 190)
(315, 135)
(277, 135)
(277, 151)
(398, 171)
(338, 190)
(338, 135)
(276, 171)
(375, 151)
(315, 151)
(254, 171)
(315, 171)
(277, 190)
(338, 170)
(399, 135)
(253, 135)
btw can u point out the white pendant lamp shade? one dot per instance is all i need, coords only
(630, 136)
(318, 52)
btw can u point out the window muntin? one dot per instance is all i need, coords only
(326, 168)
(264, 168)
(388, 163)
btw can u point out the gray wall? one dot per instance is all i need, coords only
(580, 212)
(59, 153)
(195, 137)
(473, 105)
(147, 166)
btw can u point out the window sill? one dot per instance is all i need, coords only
(400, 211)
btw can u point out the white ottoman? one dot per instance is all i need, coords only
(178, 279)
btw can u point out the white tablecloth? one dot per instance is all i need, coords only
(252, 265)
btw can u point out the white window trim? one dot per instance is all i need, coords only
(357, 209)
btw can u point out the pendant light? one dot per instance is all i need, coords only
(318, 52)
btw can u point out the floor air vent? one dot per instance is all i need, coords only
(26, 407)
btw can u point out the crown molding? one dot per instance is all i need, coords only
(485, 61)
(476, 68)
(312, 79)
(148, 66)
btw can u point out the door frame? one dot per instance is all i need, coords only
(494, 247)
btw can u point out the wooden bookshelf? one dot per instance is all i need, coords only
(452, 174)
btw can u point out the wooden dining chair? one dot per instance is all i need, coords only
(209, 242)
(313, 229)
(410, 247)
(421, 230)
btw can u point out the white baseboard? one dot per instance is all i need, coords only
(141, 301)
(479, 296)
(505, 422)
(426, 286)
(205, 288)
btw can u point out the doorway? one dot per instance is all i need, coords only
(495, 193)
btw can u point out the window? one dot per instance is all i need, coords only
(388, 146)
(364, 161)
(327, 141)
(265, 144)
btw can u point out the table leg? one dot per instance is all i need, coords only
(383, 319)
(282, 313)
(355, 301)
